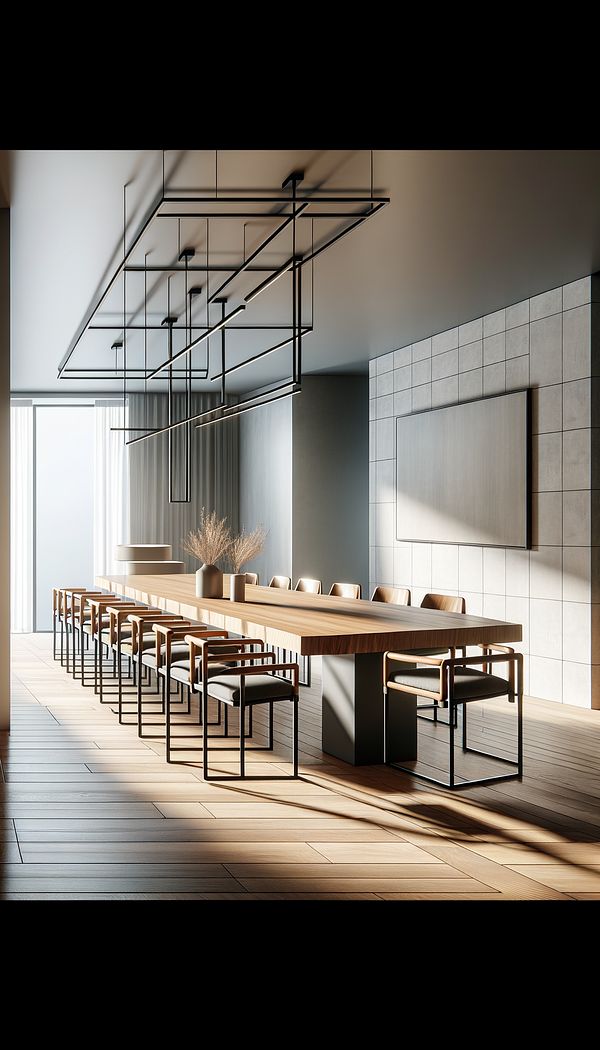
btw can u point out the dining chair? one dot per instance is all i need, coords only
(391, 595)
(126, 632)
(453, 682)
(88, 620)
(169, 658)
(252, 579)
(185, 668)
(60, 616)
(308, 585)
(71, 602)
(250, 682)
(283, 582)
(444, 603)
(346, 590)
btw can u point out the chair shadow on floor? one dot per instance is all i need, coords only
(520, 815)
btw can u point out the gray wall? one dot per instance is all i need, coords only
(214, 459)
(304, 474)
(266, 484)
(5, 467)
(551, 344)
(331, 480)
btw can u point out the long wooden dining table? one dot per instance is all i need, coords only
(349, 635)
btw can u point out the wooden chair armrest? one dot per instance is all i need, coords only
(152, 616)
(473, 661)
(406, 658)
(196, 641)
(495, 648)
(217, 656)
(141, 620)
(230, 658)
(117, 614)
(97, 604)
(170, 627)
(239, 642)
(169, 633)
(120, 611)
(505, 656)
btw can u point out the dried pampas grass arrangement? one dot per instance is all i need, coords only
(210, 541)
(245, 547)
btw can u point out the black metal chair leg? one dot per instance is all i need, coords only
(520, 732)
(271, 726)
(120, 685)
(242, 734)
(451, 738)
(464, 728)
(167, 705)
(204, 701)
(295, 736)
(139, 699)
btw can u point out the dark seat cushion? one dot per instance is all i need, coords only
(148, 642)
(125, 629)
(180, 670)
(87, 627)
(179, 650)
(469, 683)
(259, 689)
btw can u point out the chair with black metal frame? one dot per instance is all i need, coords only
(264, 687)
(450, 603)
(69, 601)
(60, 617)
(142, 652)
(391, 595)
(117, 638)
(90, 620)
(454, 682)
(186, 670)
(345, 590)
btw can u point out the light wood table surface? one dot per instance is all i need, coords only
(350, 635)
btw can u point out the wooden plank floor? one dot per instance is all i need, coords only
(90, 811)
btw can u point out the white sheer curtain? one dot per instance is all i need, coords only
(21, 517)
(111, 486)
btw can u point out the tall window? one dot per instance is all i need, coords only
(69, 500)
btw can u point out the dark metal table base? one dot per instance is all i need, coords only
(352, 705)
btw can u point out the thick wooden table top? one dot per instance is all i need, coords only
(312, 624)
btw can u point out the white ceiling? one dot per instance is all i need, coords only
(466, 233)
